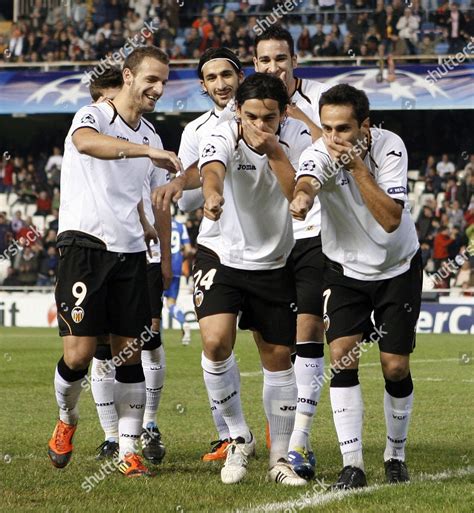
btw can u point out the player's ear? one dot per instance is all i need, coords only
(241, 77)
(294, 61)
(365, 125)
(203, 87)
(127, 76)
(255, 60)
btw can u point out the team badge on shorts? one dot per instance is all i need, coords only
(326, 322)
(198, 297)
(77, 314)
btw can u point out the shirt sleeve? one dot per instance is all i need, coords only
(392, 176)
(188, 151)
(215, 147)
(315, 163)
(89, 117)
(159, 176)
(191, 200)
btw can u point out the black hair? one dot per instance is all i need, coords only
(275, 32)
(262, 86)
(218, 53)
(111, 77)
(345, 94)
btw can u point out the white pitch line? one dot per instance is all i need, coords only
(320, 499)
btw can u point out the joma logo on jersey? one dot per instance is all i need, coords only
(122, 138)
(287, 408)
(246, 167)
(77, 314)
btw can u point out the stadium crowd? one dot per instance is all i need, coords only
(444, 212)
(321, 28)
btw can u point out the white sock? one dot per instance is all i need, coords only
(130, 403)
(67, 397)
(279, 401)
(219, 378)
(397, 418)
(102, 386)
(348, 414)
(154, 368)
(309, 393)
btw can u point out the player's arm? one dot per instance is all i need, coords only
(306, 189)
(386, 211)
(267, 143)
(90, 142)
(148, 230)
(296, 113)
(213, 174)
(163, 228)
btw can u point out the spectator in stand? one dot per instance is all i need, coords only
(456, 24)
(470, 165)
(50, 238)
(380, 19)
(407, 27)
(445, 166)
(303, 43)
(451, 189)
(455, 215)
(203, 24)
(329, 48)
(466, 190)
(54, 223)
(17, 223)
(7, 176)
(38, 14)
(5, 233)
(427, 45)
(43, 204)
(192, 42)
(79, 14)
(441, 243)
(48, 263)
(318, 39)
(12, 279)
(460, 241)
(26, 264)
(433, 182)
(425, 225)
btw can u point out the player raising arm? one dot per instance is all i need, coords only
(248, 176)
(372, 263)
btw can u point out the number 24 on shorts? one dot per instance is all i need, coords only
(205, 281)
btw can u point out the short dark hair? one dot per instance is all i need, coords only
(133, 61)
(111, 77)
(345, 94)
(279, 34)
(262, 86)
(218, 53)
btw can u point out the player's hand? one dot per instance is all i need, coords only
(213, 207)
(263, 141)
(166, 272)
(162, 196)
(300, 206)
(165, 159)
(150, 235)
(343, 151)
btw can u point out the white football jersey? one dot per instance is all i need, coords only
(155, 178)
(350, 234)
(255, 228)
(100, 197)
(306, 97)
(188, 151)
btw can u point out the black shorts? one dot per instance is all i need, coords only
(348, 305)
(98, 291)
(308, 261)
(267, 299)
(154, 278)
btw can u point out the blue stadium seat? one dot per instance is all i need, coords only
(441, 48)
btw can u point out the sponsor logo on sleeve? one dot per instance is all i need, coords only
(397, 190)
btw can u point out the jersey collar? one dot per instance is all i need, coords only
(116, 113)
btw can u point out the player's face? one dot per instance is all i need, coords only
(146, 86)
(262, 114)
(220, 81)
(274, 57)
(339, 121)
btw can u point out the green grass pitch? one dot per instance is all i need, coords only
(439, 450)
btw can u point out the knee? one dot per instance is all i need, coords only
(77, 361)
(275, 358)
(215, 349)
(395, 370)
